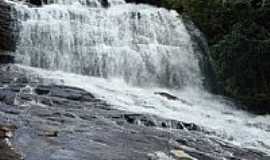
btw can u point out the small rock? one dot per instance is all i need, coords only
(181, 155)
(6, 131)
(172, 97)
(49, 133)
(159, 156)
(167, 95)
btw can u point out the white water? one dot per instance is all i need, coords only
(131, 45)
(141, 44)
(200, 107)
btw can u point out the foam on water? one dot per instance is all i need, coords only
(197, 106)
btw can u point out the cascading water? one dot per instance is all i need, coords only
(137, 44)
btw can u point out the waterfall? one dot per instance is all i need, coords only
(141, 44)
(147, 50)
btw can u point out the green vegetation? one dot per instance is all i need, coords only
(238, 32)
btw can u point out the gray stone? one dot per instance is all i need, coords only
(64, 123)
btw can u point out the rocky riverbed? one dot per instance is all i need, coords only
(55, 122)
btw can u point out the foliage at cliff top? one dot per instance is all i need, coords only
(238, 32)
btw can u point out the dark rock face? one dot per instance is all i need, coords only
(55, 122)
(201, 48)
(151, 2)
(6, 151)
(36, 2)
(4, 59)
(105, 3)
(8, 35)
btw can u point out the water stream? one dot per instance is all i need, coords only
(124, 53)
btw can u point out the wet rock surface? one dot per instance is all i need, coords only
(151, 2)
(8, 34)
(5, 59)
(56, 122)
(7, 152)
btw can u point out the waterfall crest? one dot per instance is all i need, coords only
(141, 44)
